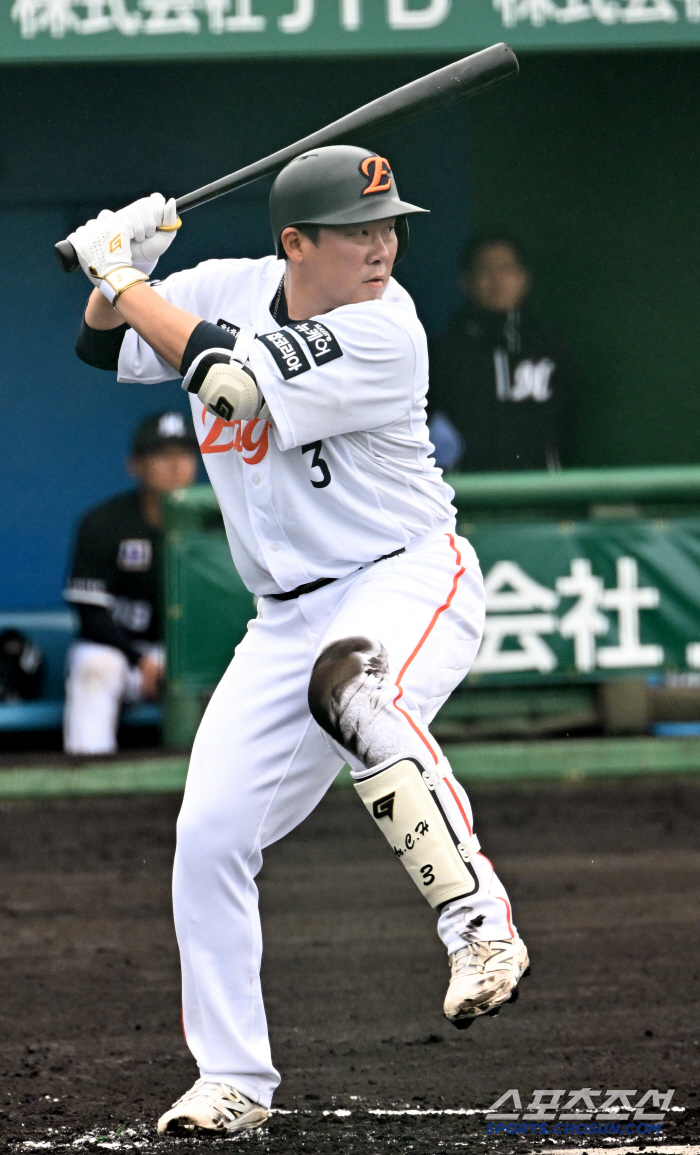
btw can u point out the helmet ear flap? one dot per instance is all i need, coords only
(401, 228)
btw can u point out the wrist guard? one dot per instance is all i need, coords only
(113, 284)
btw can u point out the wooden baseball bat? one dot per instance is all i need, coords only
(437, 90)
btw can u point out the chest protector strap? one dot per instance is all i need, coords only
(403, 801)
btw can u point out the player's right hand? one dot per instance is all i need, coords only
(153, 223)
(102, 245)
(151, 670)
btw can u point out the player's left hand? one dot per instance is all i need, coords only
(152, 223)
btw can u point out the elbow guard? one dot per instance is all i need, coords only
(224, 387)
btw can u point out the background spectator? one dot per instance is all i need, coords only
(501, 389)
(115, 585)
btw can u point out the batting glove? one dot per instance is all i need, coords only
(152, 223)
(104, 252)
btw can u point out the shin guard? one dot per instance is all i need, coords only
(403, 801)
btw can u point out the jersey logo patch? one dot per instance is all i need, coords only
(287, 352)
(135, 616)
(135, 554)
(323, 345)
(229, 326)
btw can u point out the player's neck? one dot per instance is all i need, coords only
(306, 298)
(152, 508)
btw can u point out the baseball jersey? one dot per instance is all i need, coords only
(507, 387)
(116, 569)
(337, 471)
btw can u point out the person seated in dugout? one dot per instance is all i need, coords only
(114, 584)
(502, 393)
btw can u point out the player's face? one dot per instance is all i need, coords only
(165, 471)
(352, 263)
(497, 282)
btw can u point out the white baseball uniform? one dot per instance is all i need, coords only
(335, 475)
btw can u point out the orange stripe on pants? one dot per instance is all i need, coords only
(445, 606)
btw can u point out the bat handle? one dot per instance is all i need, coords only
(66, 256)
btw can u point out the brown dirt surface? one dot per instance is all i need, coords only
(604, 882)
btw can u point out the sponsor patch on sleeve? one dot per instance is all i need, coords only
(135, 554)
(229, 326)
(287, 352)
(322, 343)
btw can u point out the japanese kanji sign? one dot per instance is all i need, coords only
(585, 599)
(115, 29)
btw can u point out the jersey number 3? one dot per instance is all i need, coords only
(317, 462)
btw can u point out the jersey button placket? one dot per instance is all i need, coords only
(257, 484)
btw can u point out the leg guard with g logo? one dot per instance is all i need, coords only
(405, 802)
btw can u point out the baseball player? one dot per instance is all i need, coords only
(308, 376)
(115, 586)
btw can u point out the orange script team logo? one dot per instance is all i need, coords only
(249, 438)
(115, 243)
(378, 173)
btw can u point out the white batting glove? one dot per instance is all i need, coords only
(104, 251)
(152, 223)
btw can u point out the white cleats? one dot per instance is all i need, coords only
(212, 1107)
(485, 975)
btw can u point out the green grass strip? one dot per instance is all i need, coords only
(150, 776)
(574, 758)
(474, 762)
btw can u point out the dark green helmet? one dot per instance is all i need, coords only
(337, 185)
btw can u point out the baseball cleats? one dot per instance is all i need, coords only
(485, 975)
(212, 1107)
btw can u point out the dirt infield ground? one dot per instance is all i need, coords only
(604, 880)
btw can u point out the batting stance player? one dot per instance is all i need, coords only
(308, 375)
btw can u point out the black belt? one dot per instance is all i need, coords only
(309, 587)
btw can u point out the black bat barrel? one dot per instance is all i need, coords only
(431, 93)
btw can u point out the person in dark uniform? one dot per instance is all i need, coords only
(501, 386)
(115, 583)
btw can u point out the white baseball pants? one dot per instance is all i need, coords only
(260, 764)
(99, 681)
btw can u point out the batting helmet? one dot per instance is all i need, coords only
(337, 185)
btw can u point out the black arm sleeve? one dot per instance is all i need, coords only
(100, 347)
(97, 625)
(205, 336)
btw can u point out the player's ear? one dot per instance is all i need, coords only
(133, 467)
(293, 244)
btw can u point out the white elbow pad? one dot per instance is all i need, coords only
(223, 386)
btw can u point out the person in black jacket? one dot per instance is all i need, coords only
(501, 387)
(115, 583)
